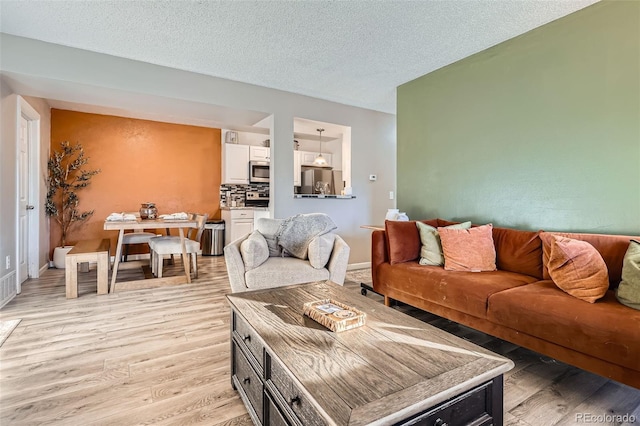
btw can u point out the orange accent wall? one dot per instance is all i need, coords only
(175, 166)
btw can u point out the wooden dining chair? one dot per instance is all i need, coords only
(171, 245)
(138, 236)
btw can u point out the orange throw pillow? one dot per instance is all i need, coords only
(469, 250)
(578, 268)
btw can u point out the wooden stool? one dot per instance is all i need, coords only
(87, 251)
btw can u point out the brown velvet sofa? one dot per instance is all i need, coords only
(518, 302)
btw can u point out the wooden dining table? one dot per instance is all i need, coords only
(141, 224)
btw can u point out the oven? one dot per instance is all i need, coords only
(258, 171)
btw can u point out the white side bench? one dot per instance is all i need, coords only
(87, 251)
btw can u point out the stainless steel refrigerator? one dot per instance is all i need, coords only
(316, 180)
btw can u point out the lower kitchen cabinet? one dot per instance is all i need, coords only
(238, 222)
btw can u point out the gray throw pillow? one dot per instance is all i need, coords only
(628, 292)
(254, 251)
(431, 251)
(320, 249)
(269, 229)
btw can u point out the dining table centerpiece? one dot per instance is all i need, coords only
(66, 176)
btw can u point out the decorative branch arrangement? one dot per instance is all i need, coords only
(66, 177)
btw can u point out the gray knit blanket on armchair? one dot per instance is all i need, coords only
(296, 232)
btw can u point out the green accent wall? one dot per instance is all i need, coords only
(539, 132)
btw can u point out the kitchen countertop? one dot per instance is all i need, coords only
(245, 208)
(342, 197)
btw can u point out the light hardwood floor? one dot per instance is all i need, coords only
(161, 357)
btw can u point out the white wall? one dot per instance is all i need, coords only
(122, 82)
(8, 196)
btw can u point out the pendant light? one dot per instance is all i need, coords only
(320, 160)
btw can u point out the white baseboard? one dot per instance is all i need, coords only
(45, 267)
(363, 265)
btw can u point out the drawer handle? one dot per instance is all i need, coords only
(247, 380)
(295, 400)
(246, 338)
(440, 422)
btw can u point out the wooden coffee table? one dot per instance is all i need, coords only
(395, 369)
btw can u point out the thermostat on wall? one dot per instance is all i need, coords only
(373, 177)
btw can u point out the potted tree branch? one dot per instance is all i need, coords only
(66, 176)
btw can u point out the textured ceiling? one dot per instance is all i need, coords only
(352, 52)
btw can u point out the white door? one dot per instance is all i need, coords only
(22, 265)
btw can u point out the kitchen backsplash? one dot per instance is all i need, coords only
(237, 192)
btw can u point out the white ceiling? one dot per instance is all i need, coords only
(352, 52)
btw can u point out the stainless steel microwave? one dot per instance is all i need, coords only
(258, 171)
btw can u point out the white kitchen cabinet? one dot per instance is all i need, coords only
(297, 169)
(257, 214)
(235, 163)
(307, 158)
(259, 153)
(237, 222)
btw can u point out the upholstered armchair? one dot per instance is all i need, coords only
(283, 252)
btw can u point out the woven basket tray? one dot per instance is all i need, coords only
(334, 315)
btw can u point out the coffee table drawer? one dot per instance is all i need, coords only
(247, 337)
(292, 399)
(471, 408)
(248, 380)
(274, 415)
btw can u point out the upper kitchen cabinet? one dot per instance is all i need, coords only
(259, 153)
(235, 163)
(307, 158)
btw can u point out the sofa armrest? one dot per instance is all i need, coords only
(378, 256)
(235, 265)
(338, 261)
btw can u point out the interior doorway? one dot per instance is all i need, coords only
(27, 191)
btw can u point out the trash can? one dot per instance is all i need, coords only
(213, 238)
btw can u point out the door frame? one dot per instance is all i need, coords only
(23, 109)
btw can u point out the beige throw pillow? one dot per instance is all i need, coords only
(320, 249)
(628, 292)
(254, 250)
(269, 229)
(431, 251)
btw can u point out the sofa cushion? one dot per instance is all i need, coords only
(431, 250)
(628, 292)
(463, 291)
(577, 268)
(469, 250)
(278, 271)
(403, 239)
(612, 248)
(518, 251)
(254, 251)
(606, 329)
(269, 229)
(320, 249)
